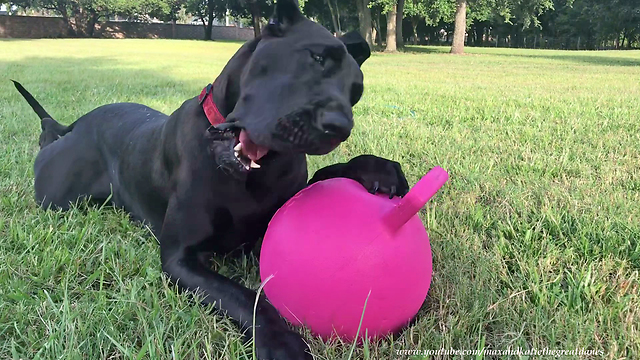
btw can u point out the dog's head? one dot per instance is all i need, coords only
(292, 89)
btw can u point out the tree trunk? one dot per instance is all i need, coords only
(72, 27)
(399, 17)
(364, 20)
(391, 29)
(255, 15)
(209, 25)
(257, 30)
(84, 20)
(377, 24)
(474, 34)
(208, 28)
(374, 35)
(460, 27)
(334, 20)
(91, 25)
(480, 34)
(367, 20)
(61, 8)
(414, 26)
(541, 42)
(74, 20)
(204, 25)
(338, 17)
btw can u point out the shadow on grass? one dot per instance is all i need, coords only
(584, 58)
(602, 59)
(70, 87)
(418, 49)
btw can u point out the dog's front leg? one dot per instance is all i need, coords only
(376, 174)
(187, 224)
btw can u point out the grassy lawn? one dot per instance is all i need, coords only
(536, 238)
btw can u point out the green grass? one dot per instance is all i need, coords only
(535, 237)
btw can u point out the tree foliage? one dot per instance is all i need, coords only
(255, 10)
(336, 15)
(81, 16)
(583, 24)
(206, 11)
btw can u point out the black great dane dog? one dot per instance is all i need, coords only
(208, 178)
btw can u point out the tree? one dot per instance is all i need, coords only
(592, 24)
(431, 12)
(390, 7)
(336, 15)
(256, 16)
(416, 11)
(376, 20)
(206, 11)
(399, 18)
(364, 21)
(81, 16)
(524, 12)
(256, 10)
(169, 11)
(459, 33)
(619, 21)
(392, 15)
(414, 17)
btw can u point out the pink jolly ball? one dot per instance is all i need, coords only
(329, 250)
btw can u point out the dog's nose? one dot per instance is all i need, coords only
(336, 125)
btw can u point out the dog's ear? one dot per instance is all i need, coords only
(356, 46)
(226, 87)
(285, 14)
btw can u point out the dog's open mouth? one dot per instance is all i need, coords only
(234, 150)
(248, 153)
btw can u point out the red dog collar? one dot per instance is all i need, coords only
(209, 107)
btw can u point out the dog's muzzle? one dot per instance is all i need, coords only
(313, 131)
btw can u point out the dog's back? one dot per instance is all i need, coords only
(83, 160)
(115, 121)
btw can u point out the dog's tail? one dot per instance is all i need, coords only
(35, 105)
(51, 129)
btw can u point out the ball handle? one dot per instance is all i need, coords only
(415, 199)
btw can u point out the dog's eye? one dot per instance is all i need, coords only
(318, 58)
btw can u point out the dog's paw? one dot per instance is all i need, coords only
(378, 175)
(281, 345)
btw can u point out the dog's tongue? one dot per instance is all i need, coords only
(250, 149)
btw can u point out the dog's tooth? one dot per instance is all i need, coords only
(238, 147)
(237, 153)
(254, 165)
